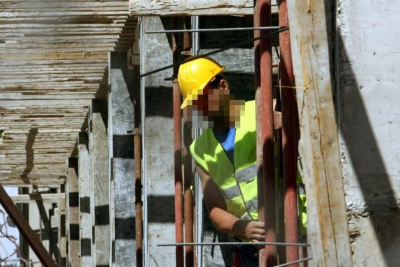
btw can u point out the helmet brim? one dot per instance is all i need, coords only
(184, 104)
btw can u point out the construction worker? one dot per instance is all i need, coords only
(225, 153)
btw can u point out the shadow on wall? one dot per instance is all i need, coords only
(368, 163)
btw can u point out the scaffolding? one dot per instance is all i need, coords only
(188, 206)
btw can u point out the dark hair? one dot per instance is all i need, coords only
(215, 83)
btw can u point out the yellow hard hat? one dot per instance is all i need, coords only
(194, 74)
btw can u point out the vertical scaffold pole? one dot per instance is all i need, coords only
(288, 137)
(188, 171)
(177, 150)
(138, 195)
(265, 134)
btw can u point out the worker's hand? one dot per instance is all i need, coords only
(252, 230)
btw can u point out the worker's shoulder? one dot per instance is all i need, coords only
(250, 105)
(248, 115)
(200, 145)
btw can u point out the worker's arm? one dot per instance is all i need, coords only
(221, 218)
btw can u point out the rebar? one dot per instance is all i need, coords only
(12, 239)
(25, 229)
(293, 262)
(265, 36)
(235, 244)
(217, 29)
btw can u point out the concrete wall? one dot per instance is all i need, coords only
(368, 63)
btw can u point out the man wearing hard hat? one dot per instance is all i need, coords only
(225, 153)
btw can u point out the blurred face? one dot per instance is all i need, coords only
(211, 107)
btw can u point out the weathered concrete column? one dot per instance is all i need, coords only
(98, 149)
(121, 121)
(72, 207)
(85, 201)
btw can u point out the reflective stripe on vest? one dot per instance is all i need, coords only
(232, 192)
(246, 174)
(252, 207)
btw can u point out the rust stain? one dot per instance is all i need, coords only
(306, 80)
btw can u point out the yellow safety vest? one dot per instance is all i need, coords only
(238, 181)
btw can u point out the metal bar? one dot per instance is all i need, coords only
(289, 146)
(217, 29)
(266, 36)
(142, 66)
(138, 196)
(187, 166)
(198, 193)
(293, 262)
(234, 243)
(266, 122)
(25, 229)
(177, 150)
(260, 181)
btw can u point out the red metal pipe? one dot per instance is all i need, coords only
(25, 229)
(188, 201)
(265, 139)
(177, 151)
(260, 179)
(188, 172)
(288, 137)
(138, 195)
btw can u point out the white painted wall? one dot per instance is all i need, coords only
(369, 60)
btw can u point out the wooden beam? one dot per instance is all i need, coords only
(328, 232)
(46, 198)
(193, 7)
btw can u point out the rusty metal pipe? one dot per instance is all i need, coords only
(177, 150)
(138, 195)
(188, 172)
(259, 151)
(25, 229)
(265, 135)
(288, 137)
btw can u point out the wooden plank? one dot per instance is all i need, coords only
(193, 7)
(319, 147)
(53, 60)
(72, 207)
(75, 55)
(46, 198)
(98, 141)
